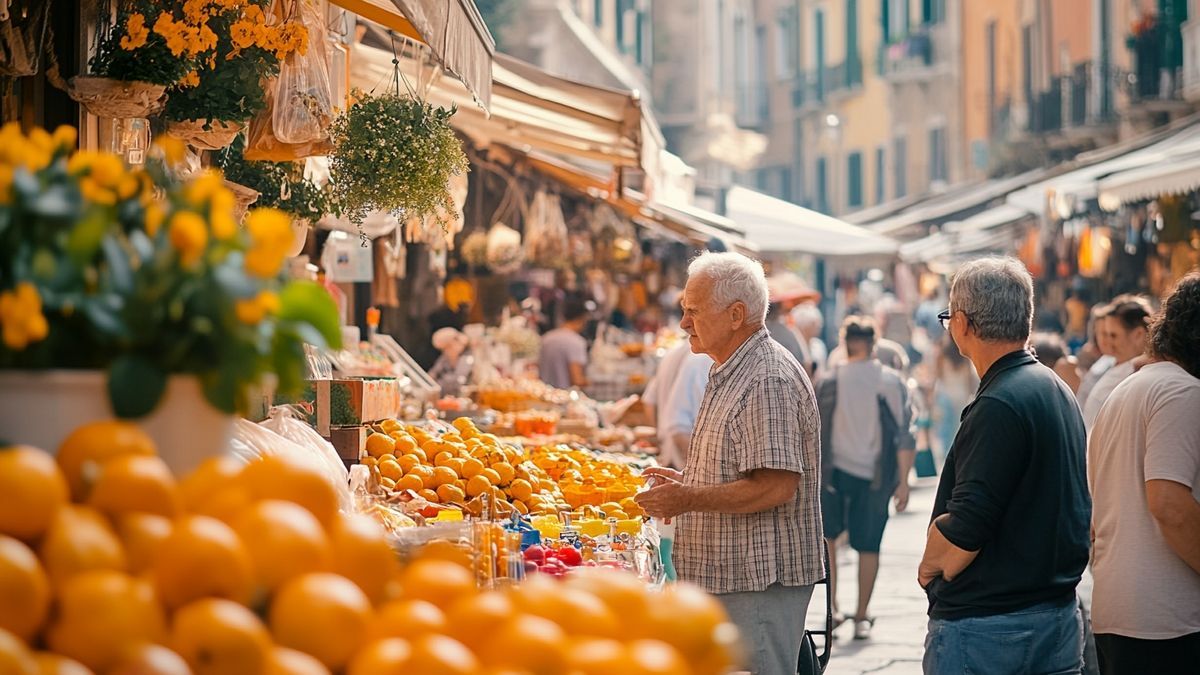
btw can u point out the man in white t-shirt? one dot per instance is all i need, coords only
(562, 362)
(1144, 475)
(1125, 325)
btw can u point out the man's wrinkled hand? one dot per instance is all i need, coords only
(666, 500)
(901, 496)
(663, 472)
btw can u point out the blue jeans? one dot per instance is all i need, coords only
(1045, 639)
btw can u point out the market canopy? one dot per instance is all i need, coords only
(943, 206)
(530, 110)
(775, 226)
(452, 29)
(1177, 176)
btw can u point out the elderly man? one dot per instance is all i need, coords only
(1144, 468)
(1009, 537)
(748, 499)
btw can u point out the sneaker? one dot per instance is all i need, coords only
(862, 629)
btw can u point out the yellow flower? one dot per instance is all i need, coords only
(172, 148)
(128, 186)
(32, 153)
(189, 236)
(192, 79)
(136, 32)
(255, 309)
(242, 34)
(221, 214)
(65, 137)
(201, 188)
(154, 217)
(95, 193)
(21, 316)
(270, 235)
(6, 177)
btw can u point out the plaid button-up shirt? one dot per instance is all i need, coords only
(758, 412)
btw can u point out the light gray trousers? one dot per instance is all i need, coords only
(771, 623)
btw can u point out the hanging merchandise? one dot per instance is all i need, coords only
(504, 252)
(303, 109)
(24, 26)
(439, 229)
(474, 249)
(385, 290)
(1176, 222)
(346, 260)
(546, 231)
(1094, 248)
(264, 144)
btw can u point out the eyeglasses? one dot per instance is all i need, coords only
(944, 317)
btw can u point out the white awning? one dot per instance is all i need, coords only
(959, 199)
(775, 226)
(1177, 176)
(986, 220)
(949, 246)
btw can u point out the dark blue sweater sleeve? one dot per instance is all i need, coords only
(991, 454)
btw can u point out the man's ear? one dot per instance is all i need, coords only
(737, 314)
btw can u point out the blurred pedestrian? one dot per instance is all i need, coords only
(1144, 470)
(954, 387)
(1125, 326)
(564, 355)
(1095, 357)
(1009, 538)
(782, 333)
(808, 320)
(1050, 350)
(453, 368)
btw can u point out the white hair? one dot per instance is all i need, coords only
(808, 318)
(735, 278)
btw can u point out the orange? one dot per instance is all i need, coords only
(323, 614)
(451, 494)
(203, 557)
(686, 618)
(444, 549)
(101, 614)
(404, 444)
(505, 471)
(473, 619)
(33, 491)
(50, 663)
(529, 642)
(492, 476)
(286, 661)
(142, 535)
(429, 496)
(387, 483)
(457, 464)
(471, 468)
(410, 482)
(135, 484)
(24, 590)
(576, 611)
(94, 444)
(598, 657)
(220, 637)
(284, 540)
(273, 477)
(79, 539)
(378, 445)
(521, 507)
(440, 582)
(407, 462)
(382, 657)
(423, 472)
(15, 657)
(385, 458)
(442, 475)
(478, 485)
(390, 469)
(652, 657)
(443, 458)
(150, 659)
(226, 504)
(419, 453)
(362, 554)
(623, 593)
(212, 475)
(440, 655)
(520, 488)
(406, 619)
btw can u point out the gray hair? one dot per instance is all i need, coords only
(735, 278)
(808, 318)
(997, 296)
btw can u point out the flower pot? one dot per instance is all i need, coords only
(105, 97)
(41, 408)
(205, 134)
(299, 237)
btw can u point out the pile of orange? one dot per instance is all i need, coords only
(110, 565)
(585, 479)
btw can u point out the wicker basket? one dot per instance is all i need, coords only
(244, 196)
(217, 135)
(106, 97)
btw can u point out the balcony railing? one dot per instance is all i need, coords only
(915, 55)
(1078, 84)
(1157, 68)
(1046, 109)
(810, 90)
(1191, 59)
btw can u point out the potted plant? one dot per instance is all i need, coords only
(280, 185)
(208, 110)
(396, 154)
(151, 46)
(131, 293)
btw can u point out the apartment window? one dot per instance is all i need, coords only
(937, 155)
(854, 180)
(880, 175)
(933, 11)
(741, 68)
(900, 167)
(598, 13)
(761, 97)
(822, 186)
(786, 56)
(640, 53)
(853, 73)
(819, 27)
(798, 157)
(895, 16)
(619, 18)
(785, 183)
(989, 48)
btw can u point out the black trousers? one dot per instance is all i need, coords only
(1120, 655)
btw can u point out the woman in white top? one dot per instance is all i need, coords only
(1125, 326)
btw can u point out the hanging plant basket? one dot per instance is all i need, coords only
(244, 197)
(205, 134)
(106, 97)
(396, 154)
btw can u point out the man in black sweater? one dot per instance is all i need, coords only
(1009, 537)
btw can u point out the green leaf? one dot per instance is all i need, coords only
(221, 388)
(142, 246)
(56, 201)
(135, 386)
(104, 314)
(307, 302)
(86, 236)
(118, 271)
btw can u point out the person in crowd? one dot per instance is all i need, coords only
(564, 355)
(1125, 326)
(955, 382)
(1050, 350)
(748, 499)
(673, 398)
(781, 333)
(867, 451)
(1095, 357)
(808, 320)
(452, 370)
(1008, 541)
(891, 354)
(1144, 471)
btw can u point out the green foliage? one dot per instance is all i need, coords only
(394, 153)
(280, 185)
(151, 62)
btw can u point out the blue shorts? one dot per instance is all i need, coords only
(849, 503)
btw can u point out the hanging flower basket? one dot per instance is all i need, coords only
(106, 97)
(243, 197)
(205, 134)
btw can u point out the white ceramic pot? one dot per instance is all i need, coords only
(41, 408)
(299, 237)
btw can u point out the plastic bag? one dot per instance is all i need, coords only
(303, 107)
(262, 145)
